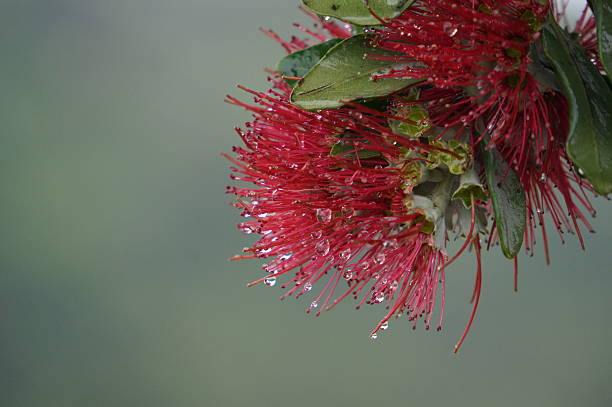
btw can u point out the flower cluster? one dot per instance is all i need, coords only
(488, 79)
(463, 134)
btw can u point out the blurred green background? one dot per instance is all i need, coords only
(115, 229)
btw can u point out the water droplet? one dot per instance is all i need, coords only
(347, 211)
(314, 304)
(307, 287)
(384, 326)
(543, 177)
(270, 281)
(374, 336)
(392, 243)
(450, 29)
(348, 275)
(263, 252)
(322, 247)
(380, 297)
(345, 254)
(246, 228)
(380, 258)
(581, 172)
(327, 18)
(285, 256)
(324, 215)
(317, 234)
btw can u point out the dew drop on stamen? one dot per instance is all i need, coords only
(380, 297)
(450, 29)
(270, 281)
(307, 287)
(317, 234)
(322, 247)
(380, 258)
(384, 326)
(392, 243)
(324, 215)
(314, 304)
(263, 252)
(374, 336)
(345, 254)
(347, 211)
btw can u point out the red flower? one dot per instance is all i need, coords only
(488, 80)
(481, 54)
(339, 218)
(360, 201)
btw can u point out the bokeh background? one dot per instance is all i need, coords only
(115, 229)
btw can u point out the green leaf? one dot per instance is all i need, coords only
(602, 9)
(356, 11)
(300, 62)
(344, 75)
(589, 143)
(508, 199)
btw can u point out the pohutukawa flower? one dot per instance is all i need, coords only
(481, 50)
(470, 123)
(353, 206)
(487, 67)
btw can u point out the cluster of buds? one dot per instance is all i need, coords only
(393, 129)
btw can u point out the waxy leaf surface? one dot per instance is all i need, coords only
(508, 199)
(602, 9)
(589, 143)
(344, 74)
(356, 11)
(300, 62)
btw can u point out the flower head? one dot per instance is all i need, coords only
(360, 201)
(482, 55)
(345, 203)
(489, 77)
